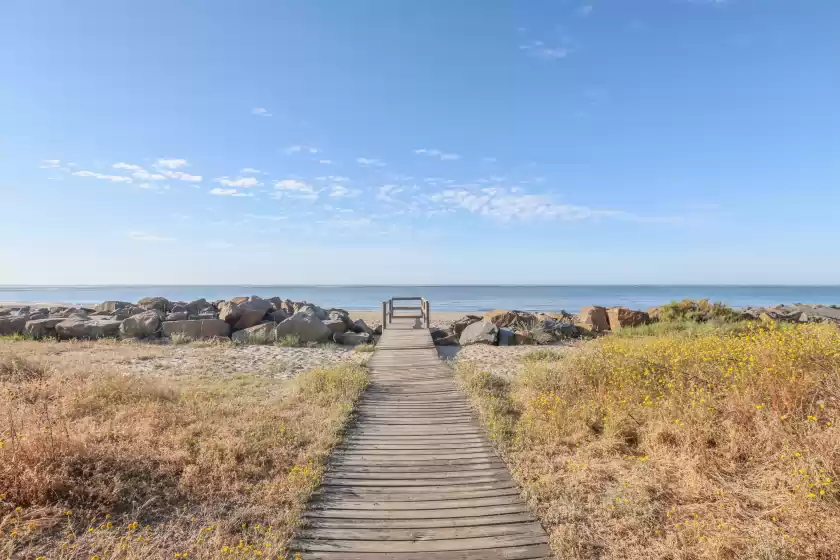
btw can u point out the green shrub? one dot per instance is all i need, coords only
(699, 311)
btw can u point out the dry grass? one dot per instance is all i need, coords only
(94, 463)
(707, 445)
(365, 348)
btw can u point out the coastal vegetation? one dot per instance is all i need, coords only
(95, 463)
(673, 442)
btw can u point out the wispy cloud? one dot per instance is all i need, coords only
(295, 188)
(370, 162)
(103, 177)
(326, 161)
(181, 176)
(127, 166)
(297, 149)
(144, 175)
(150, 237)
(538, 49)
(386, 192)
(228, 192)
(238, 182)
(509, 204)
(332, 178)
(444, 156)
(340, 191)
(171, 163)
(260, 112)
(50, 164)
(250, 171)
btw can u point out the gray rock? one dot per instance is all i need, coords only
(311, 309)
(179, 308)
(157, 303)
(308, 327)
(39, 315)
(177, 316)
(78, 327)
(126, 312)
(276, 302)
(141, 325)
(351, 338)
(244, 314)
(258, 334)
(481, 332)
(206, 313)
(448, 340)
(39, 328)
(360, 326)
(57, 310)
(11, 324)
(464, 322)
(5, 311)
(336, 325)
(197, 329)
(278, 316)
(111, 306)
(73, 312)
(564, 330)
(198, 306)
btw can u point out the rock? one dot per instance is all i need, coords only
(620, 317)
(5, 311)
(11, 324)
(73, 312)
(78, 327)
(480, 333)
(565, 330)
(506, 337)
(40, 328)
(127, 312)
(111, 306)
(198, 306)
(142, 325)
(177, 316)
(206, 313)
(352, 338)
(238, 300)
(311, 309)
(306, 326)
(40, 314)
(276, 302)
(251, 313)
(378, 330)
(360, 326)
(595, 318)
(449, 340)
(336, 326)
(464, 322)
(278, 316)
(244, 314)
(197, 328)
(505, 318)
(157, 303)
(258, 334)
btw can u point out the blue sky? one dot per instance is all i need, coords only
(476, 141)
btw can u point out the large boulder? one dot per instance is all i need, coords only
(177, 316)
(352, 338)
(306, 326)
(258, 334)
(464, 322)
(197, 328)
(12, 324)
(278, 316)
(277, 302)
(157, 303)
(199, 306)
(594, 318)
(340, 315)
(511, 319)
(111, 306)
(480, 333)
(336, 326)
(142, 325)
(127, 312)
(40, 328)
(238, 300)
(72, 312)
(311, 309)
(244, 314)
(360, 326)
(620, 317)
(79, 327)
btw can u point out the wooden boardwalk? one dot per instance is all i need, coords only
(415, 477)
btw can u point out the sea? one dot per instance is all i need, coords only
(443, 298)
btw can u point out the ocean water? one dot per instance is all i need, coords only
(444, 298)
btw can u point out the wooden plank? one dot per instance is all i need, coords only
(419, 523)
(422, 546)
(384, 505)
(421, 534)
(419, 514)
(536, 552)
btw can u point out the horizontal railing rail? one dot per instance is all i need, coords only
(423, 309)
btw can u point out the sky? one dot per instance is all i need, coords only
(424, 142)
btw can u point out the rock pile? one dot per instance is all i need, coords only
(243, 319)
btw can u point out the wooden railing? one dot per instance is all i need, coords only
(424, 310)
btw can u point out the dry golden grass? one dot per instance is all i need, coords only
(713, 445)
(94, 463)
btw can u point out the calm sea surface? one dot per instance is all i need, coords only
(444, 298)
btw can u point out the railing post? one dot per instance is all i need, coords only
(428, 314)
(384, 314)
(390, 310)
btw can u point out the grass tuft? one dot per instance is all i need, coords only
(719, 444)
(289, 341)
(365, 347)
(180, 338)
(543, 355)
